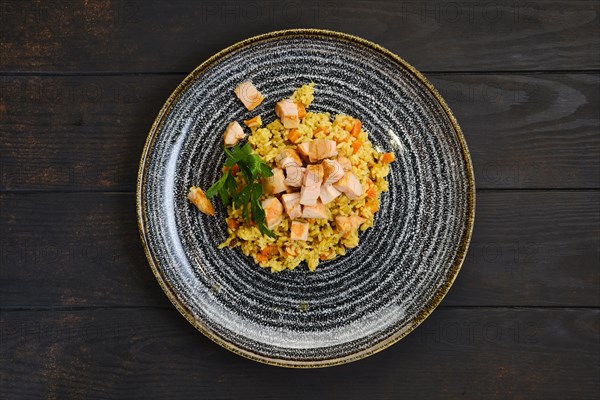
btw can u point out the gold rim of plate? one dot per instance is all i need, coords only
(425, 312)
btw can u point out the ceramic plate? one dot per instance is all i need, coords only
(349, 307)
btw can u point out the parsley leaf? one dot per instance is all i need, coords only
(253, 168)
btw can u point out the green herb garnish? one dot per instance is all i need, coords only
(253, 168)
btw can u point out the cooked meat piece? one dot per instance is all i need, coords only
(291, 203)
(328, 193)
(287, 111)
(322, 148)
(273, 211)
(333, 171)
(197, 197)
(311, 185)
(318, 211)
(299, 230)
(276, 183)
(249, 95)
(233, 134)
(350, 186)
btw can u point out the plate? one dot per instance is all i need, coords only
(349, 307)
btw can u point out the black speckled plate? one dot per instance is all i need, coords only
(350, 307)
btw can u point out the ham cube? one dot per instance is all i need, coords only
(303, 149)
(291, 203)
(348, 224)
(273, 212)
(311, 185)
(233, 134)
(345, 163)
(318, 211)
(333, 171)
(249, 95)
(287, 111)
(287, 158)
(328, 193)
(276, 183)
(293, 176)
(350, 186)
(322, 148)
(299, 230)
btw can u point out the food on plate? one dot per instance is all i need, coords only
(249, 95)
(197, 197)
(302, 187)
(233, 134)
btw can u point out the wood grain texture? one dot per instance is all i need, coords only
(87, 133)
(83, 249)
(135, 36)
(140, 354)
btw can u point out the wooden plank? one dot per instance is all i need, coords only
(131, 36)
(82, 249)
(106, 354)
(87, 133)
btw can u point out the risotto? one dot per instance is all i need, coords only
(325, 187)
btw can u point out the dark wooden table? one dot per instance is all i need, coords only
(81, 313)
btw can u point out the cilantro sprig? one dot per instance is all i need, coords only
(253, 168)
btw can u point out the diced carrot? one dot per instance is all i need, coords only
(232, 223)
(388, 157)
(356, 128)
(261, 258)
(253, 122)
(234, 169)
(319, 130)
(269, 251)
(356, 146)
(301, 110)
(293, 135)
(372, 205)
(371, 192)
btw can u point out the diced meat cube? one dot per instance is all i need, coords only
(301, 109)
(311, 185)
(197, 197)
(273, 211)
(333, 171)
(233, 134)
(328, 193)
(276, 183)
(350, 186)
(345, 163)
(318, 211)
(291, 203)
(287, 158)
(287, 111)
(348, 224)
(299, 230)
(304, 149)
(293, 176)
(322, 148)
(249, 95)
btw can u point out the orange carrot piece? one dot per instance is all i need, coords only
(388, 157)
(232, 223)
(356, 128)
(372, 205)
(356, 146)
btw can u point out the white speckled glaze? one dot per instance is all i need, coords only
(354, 305)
